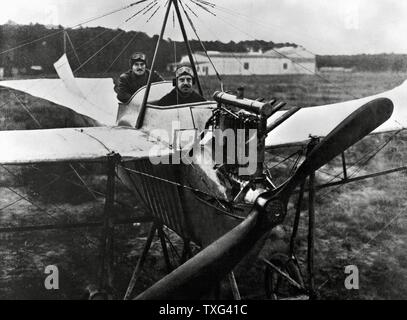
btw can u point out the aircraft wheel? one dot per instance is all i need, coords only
(276, 285)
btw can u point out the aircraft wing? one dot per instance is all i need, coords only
(92, 97)
(77, 144)
(320, 120)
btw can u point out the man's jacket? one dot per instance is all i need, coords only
(176, 97)
(129, 83)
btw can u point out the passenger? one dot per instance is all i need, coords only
(183, 91)
(132, 80)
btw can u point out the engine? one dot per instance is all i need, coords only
(239, 129)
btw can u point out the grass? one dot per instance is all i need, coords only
(360, 224)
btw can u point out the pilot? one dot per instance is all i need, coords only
(183, 91)
(132, 80)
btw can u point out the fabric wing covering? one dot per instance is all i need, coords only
(77, 144)
(319, 121)
(92, 97)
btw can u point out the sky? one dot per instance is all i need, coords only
(321, 26)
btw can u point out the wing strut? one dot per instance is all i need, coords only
(106, 246)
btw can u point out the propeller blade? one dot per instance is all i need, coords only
(200, 273)
(356, 126)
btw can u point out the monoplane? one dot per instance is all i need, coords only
(198, 169)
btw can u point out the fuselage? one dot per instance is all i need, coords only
(185, 192)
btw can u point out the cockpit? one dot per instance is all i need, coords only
(166, 121)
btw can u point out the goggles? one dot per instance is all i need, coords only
(182, 71)
(138, 57)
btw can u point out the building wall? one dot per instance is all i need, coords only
(254, 66)
(303, 67)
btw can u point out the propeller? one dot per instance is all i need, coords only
(199, 274)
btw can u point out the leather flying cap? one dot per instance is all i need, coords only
(181, 71)
(138, 56)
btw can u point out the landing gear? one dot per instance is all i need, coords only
(282, 278)
(158, 229)
(282, 275)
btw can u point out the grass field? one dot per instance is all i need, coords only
(362, 224)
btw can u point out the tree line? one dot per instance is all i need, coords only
(365, 62)
(86, 50)
(100, 50)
